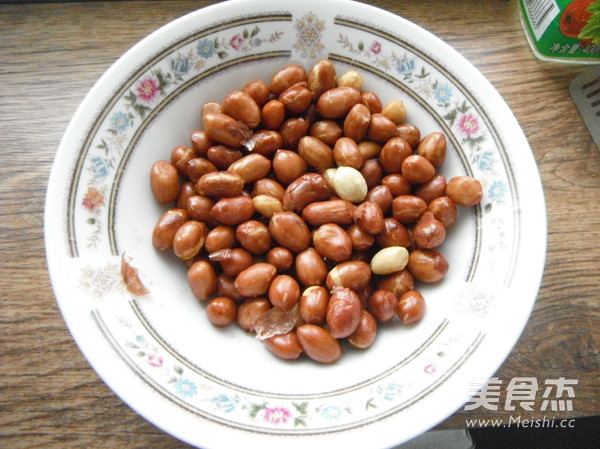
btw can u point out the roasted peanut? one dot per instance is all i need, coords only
(288, 166)
(258, 90)
(164, 181)
(180, 157)
(316, 154)
(186, 191)
(350, 185)
(220, 237)
(411, 307)
(220, 184)
(311, 268)
(264, 142)
(346, 153)
(189, 239)
(410, 133)
(365, 333)
(225, 129)
(269, 187)
(397, 184)
(369, 149)
(306, 189)
(393, 234)
(427, 265)
(286, 77)
(356, 123)
(318, 344)
(464, 190)
(337, 102)
(254, 236)
(369, 216)
(331, 241)
(397, 283)
(382, 196)
(395, 111)
(233, 261)
(233, 211)
(352, 274)
(256, 279)
(417, 169)
(251, 167)
(226, 287)
(444, 210)
(429, 232)
(351, 79)
(313, 305)
(381, 129)
(433, 148)
(249, 311)
(322, 77)
(241, 106)
(408, 208)
(267, 205)
(273, 113)
(210, 107)
(296, 98)
(280, 257)
(290, 231)
(200, 142)
(393, 154)
(361, 240)
(372, 172)
(343, 312)
(221, 311)
(371, 100)
(202, 279)
(382, 305)
(198, 167)
(432, 189)
(292, 130)
(166, 228)
(285, 345)
(331, 211)
(284, 292)
(327, 131)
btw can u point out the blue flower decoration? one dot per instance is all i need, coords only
(100, 167)
(225, 403)
(389, 392)
(497, 191)
(185, 388)
(120, 121)
(206, 48)
(406, 66)
(485, 160)
(443, 93)
(331, 412)
(256, 42)
(139, 338)
(180, 65)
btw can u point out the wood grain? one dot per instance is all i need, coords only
(52, 55)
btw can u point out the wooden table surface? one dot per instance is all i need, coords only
(51, 56)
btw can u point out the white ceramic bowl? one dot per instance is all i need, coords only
(216, 388)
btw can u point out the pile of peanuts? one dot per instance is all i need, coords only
(307, 196)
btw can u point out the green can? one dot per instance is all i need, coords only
(563, 30)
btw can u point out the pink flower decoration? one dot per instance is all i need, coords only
(147, 89)
(430, 369)
(92, 199)
(468, 124)
(155, 360)
(376, 47)
(236, 41)
(277, 415)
